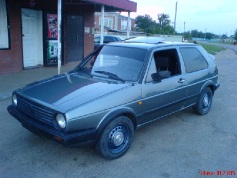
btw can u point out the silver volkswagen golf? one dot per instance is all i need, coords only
(115, 90)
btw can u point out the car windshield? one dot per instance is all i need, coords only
(116, 62)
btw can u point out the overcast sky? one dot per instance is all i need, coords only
(217, 16)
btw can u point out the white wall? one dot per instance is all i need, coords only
(4, 41)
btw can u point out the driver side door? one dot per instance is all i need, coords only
(163, 97)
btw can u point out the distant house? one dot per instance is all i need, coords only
(114, 21)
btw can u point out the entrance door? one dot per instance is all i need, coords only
(32, 38)
(74, 38)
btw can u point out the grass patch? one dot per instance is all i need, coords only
(212, 49)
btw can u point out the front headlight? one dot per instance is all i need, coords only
(14, 99)
(61, 121)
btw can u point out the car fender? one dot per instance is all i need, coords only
(208, 83)
(112, 115)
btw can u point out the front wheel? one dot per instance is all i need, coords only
(116, 138)
(204, 102)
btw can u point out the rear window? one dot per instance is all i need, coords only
(193, 59)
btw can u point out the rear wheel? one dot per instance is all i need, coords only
(204, 102)
(116, 138)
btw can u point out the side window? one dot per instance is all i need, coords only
(152, 70)
(193, 59)
(165, 63)
(97, 39)
(108, 39)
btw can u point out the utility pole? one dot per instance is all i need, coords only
(176, 6)
(102, 24)
(184, 31)
(128, 24)
(184, 26)
(59, 36)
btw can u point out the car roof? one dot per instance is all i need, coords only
(148, 43)
(152, 40)
(109, 36)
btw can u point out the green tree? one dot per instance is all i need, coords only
(235, 35)
(209, 35)
(187, 35)
(199, 34)
(145, 24)
(164, 26)
(224, 36)
(148, 25)
(194, 33)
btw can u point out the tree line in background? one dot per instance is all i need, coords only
(163, 26)
(235, 35)
(148, 25)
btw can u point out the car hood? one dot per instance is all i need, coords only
(70, 90)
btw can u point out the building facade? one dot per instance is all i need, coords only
(113, 20)
(29, 35)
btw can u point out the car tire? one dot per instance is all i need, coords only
(204, 102)
(116, 138)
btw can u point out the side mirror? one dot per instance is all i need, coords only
(156, 77)
(160, 75)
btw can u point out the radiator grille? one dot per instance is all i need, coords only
(35, 110)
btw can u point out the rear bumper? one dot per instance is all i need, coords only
(65, 138)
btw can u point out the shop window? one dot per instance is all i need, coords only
(4, 32)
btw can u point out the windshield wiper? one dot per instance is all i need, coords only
(111, 75)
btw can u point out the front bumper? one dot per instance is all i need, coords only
(66, 138)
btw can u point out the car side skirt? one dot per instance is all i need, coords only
(153, 112)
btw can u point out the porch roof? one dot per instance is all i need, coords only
(110, 5)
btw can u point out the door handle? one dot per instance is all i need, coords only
(181, 80)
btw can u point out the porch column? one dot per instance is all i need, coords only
(59, 36)
(102, 24)
(128, 24)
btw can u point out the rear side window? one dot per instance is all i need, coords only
(108, 39)
(193, 59)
